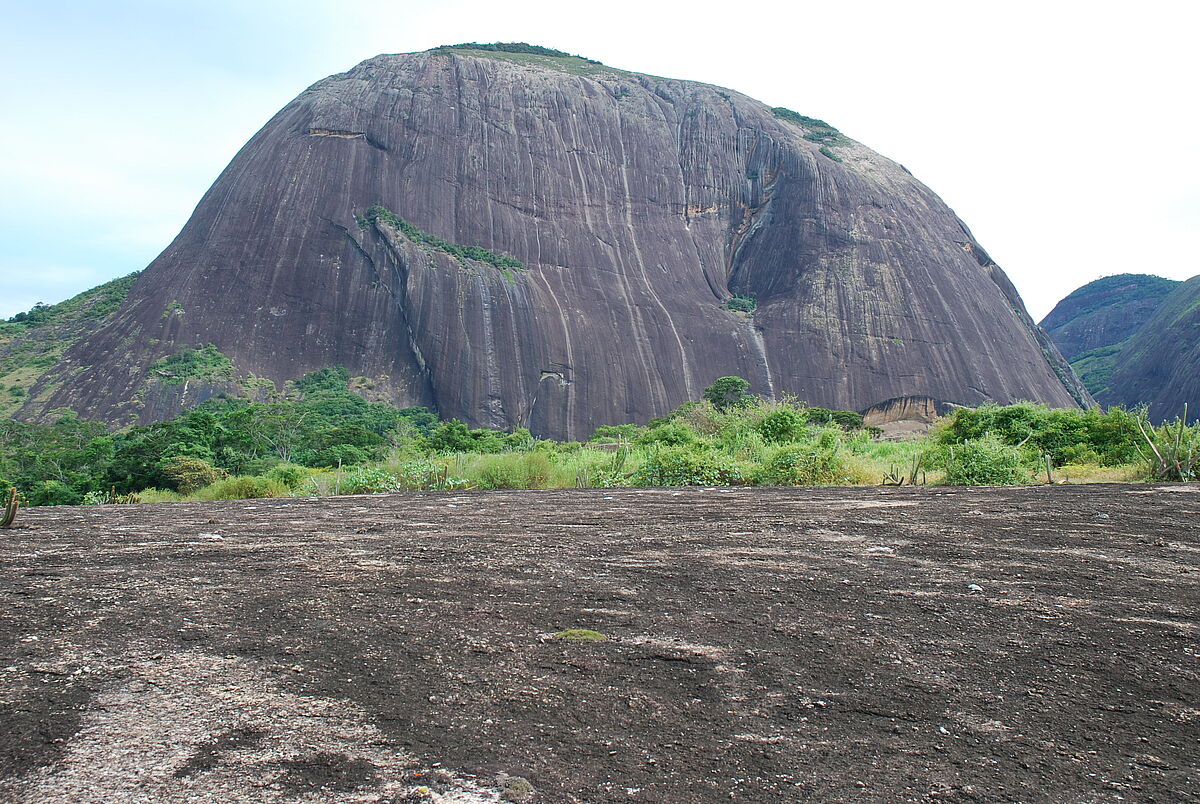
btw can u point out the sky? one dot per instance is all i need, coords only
(1063, 133)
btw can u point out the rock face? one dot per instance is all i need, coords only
(639, 207)
(1134, 339)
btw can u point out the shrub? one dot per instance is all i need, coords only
(687, 466)
(986, 461)
(701, 416)
(669, 434)
(518, 470)
(379, 212)
(54, 492)
(205, 363)
(615, 432)
(813, 464)
(424, 475)
(741, 304)
(242, 487)
(187, 475)
(846, 419)
(336, 455)
(288, 475)
(367, 480)
(728, 392)
(781, 425)
(1172, 451)
(1069, 436)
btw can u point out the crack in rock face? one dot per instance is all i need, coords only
(190, 726)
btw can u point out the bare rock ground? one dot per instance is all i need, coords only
(1030, 644)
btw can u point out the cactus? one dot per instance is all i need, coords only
(894, 477)
(10, 510)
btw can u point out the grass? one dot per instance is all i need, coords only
(580, 635)
(573, 65)
(755, 443)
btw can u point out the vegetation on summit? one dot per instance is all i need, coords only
(516, 47)
(32, 342)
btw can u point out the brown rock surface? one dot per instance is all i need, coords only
(764, 645)
(638, 205)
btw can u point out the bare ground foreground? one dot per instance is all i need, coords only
(773, 645)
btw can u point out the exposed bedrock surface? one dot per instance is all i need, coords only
(638, 205)
(764, 645)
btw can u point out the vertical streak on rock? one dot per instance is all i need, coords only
(759, 346)
(688, 383)
(493, 399)
(636, 326)
(570, 386)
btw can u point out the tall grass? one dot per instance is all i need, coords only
(761, 443)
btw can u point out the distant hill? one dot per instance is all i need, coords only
(1105, 312)
(1134, 339)
(31, 343)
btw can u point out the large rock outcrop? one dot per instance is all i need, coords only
(639, 207)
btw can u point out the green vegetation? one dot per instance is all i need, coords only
(830, 154)
(1096, 366)
(205, 363)
(90, 305)
(1067, 436)
(728, 392)
(1172, 451)
(318, 437)
(741, 304)
(580, 635)
(379, 213)
(1129, 287)
(32, 342)
(815, 130)
(516, 47)
(985, 461)
(524, 54)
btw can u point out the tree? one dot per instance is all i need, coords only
(728, 392)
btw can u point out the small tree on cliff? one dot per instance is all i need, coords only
(728, 392)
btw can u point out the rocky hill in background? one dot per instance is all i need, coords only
(1134, 339)
(1105, 312)
(32, 343)
(518, 237)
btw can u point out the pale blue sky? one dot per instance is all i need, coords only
(1061, 132)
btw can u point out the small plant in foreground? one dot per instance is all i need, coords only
(10, 509)
(1174, 449)
(985, 461)
(580, 635)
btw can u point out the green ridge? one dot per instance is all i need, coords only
(32, 342)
